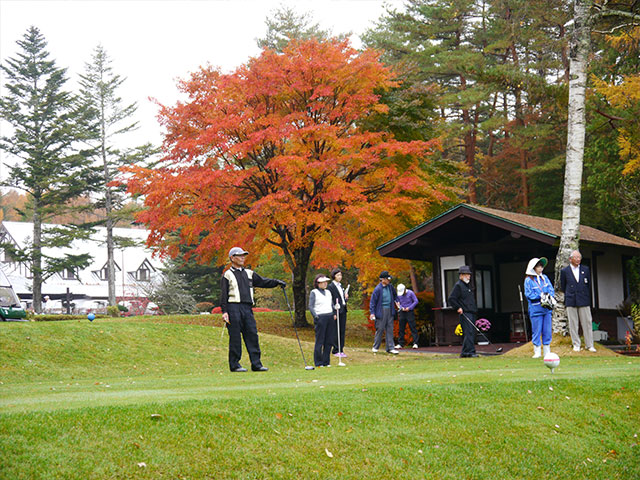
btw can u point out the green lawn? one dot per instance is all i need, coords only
(126, 399)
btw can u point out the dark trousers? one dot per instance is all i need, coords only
(343, 325)
(468, 334)
(325, 327)
(242, 325)
(404, 318)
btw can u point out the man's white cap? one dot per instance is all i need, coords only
(237, 251)
(401, 289)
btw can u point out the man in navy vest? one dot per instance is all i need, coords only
(575, 282)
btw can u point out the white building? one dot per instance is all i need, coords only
(136, 268)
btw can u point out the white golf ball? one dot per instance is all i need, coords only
(551, 360)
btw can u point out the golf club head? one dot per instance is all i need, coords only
(340, 364)
(499, 349)
(309, 367)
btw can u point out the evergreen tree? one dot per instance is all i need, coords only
(286, 24)
(48, 126)
(112, 119)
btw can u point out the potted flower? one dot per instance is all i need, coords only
(483, 325)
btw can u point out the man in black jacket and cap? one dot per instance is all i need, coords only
(236, 302)
(463, 300)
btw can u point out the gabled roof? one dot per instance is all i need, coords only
(545, 230)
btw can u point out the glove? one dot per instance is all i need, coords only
(281, 283)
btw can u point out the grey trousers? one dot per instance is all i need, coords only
(384, 325)
(583, 314)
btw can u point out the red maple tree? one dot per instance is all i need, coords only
(275, 156)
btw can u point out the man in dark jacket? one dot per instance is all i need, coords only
(382, 308)
(463, 300)
(236, 303)
(575, 282)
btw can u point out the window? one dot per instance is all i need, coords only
(104, 273)
(484, 299)
(450, 279)
(143, 274)
(69, 274)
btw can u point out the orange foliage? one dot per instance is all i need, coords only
(273, 156)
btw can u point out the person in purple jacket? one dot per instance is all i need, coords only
(407, 301)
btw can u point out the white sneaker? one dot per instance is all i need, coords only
(394, 351)
(592, 349)
(576, 349)
(374, 350)
(415, 345)
(398, 347)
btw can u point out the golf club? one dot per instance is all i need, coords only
(524, 319)
(337, 307)
(306, 367)
(499, 349)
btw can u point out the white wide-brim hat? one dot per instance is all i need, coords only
(532, 264)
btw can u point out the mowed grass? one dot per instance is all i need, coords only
(128, 399)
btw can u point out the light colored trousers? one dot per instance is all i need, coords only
(583, 314)
(384, 326)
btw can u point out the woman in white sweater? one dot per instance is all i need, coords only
(321, 307)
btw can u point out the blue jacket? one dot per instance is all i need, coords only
(576, 294)
(375, 305)
(533, 289)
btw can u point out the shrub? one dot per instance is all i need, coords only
(204, 306)
(113, 311)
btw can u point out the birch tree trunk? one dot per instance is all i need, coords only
(578, 57)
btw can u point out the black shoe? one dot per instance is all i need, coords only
(474, 355)
(239, 369)
(259, 369)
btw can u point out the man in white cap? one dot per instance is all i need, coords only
(236, 302)
(407, 301)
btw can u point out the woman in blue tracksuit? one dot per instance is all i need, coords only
(535, 284)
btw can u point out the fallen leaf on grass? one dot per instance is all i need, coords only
(529, 391)
(551, 388)
(278, 416)
(142, 465)
(557, 426)
(156, 416)
(540, 408)
(329, 454)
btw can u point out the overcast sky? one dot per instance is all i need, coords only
(155, 42)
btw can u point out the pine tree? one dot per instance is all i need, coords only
(286, 24)
(111, 118)
(48, 126)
